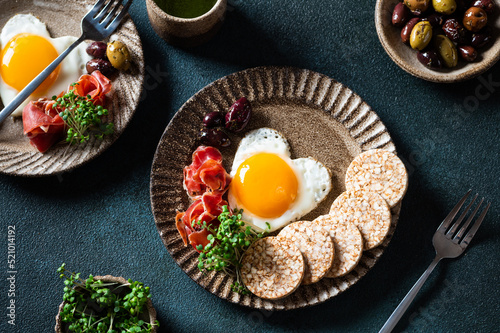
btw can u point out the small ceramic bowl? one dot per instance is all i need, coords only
(186, 32)
(406, 57)
(149, 311)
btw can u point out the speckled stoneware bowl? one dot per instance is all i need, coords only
(62, 17)
(406, 57)
(149, 313)
(186, 32)
(320, 118)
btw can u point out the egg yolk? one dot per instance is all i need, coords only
(265, 185)
(23, 58)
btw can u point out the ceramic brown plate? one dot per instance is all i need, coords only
(406, 58)
(17, 156)
(319, 116)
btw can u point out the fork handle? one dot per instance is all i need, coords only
(28, 90)
(405, 303)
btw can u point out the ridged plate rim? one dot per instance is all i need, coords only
(291, 84)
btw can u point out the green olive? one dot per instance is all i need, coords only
(118, 55)
(446, 7)
(417, 6)
(446, 49)
(421, 35)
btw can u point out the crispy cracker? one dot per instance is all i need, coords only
(347, 241)
(316, 246)
(272, 268)
(378, 171)
(368, 211)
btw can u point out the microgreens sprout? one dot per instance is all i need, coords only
(226, 246)
(94, 306)
(82, 117)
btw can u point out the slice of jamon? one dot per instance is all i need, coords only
(213, 175)
(203, 153)
(193, 188)
(42, 124)
(96, 85)
(205, 173)
(204, 210)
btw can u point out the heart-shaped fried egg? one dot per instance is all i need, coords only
(26, 48)
(269, 186)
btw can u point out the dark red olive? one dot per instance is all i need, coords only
(430, 58)
(97, 49)
(455, 31)
(467, 52)
(406, 31)
(400, 15)
(435, 19)
(101, 65)
(214, 137)
(481, 38)
(487, 5)
(214, 119)
(239, 115)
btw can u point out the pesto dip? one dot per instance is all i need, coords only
(186, 8)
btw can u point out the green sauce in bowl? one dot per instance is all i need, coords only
(186, 8)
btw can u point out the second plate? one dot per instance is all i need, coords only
(17, 156)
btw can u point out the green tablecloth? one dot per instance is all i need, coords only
(98, 218)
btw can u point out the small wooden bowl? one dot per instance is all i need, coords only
(406, 57)
(186, 32)
(149, 310)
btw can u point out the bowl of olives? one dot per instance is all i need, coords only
(440, 40)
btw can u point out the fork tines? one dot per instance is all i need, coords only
(456, 234)
(106, 12)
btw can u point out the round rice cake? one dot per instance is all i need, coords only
(368, 211)
(379, 171)
(347, 241)
(316, 246)
(272, 268)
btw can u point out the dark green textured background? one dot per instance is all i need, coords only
(98, 218)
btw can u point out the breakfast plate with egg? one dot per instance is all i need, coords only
(305, 125)
(33, 33)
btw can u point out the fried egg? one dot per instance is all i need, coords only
(269, 186)
(26, 48)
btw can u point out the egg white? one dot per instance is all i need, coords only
(314, 180)
(72, 67)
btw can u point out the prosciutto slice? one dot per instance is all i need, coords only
(205, 173)
(96, 85)
(42, 124)
(205, 181)
(205, 209)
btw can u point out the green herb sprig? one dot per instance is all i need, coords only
(94, 306)
(227, 244)
(82, 117)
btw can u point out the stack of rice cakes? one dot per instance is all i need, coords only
(331, 245)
